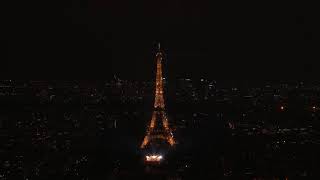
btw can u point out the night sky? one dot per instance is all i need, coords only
(96, 39)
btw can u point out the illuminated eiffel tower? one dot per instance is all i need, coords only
(158, 131)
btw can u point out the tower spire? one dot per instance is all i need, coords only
(159, 47)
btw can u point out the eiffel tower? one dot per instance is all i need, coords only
(158, 131)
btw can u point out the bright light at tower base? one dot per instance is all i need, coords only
(153, 158)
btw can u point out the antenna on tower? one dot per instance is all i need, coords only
(159, 47)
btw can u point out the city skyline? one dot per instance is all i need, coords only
(233, 92)
(88, 129)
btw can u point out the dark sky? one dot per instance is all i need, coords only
(98, 38)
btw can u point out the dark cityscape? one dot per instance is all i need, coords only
(93, 129)
(168, 90)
